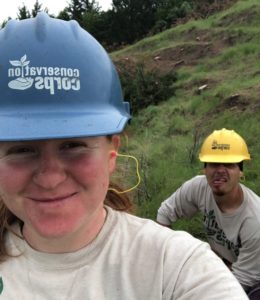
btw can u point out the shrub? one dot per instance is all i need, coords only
(143, 88)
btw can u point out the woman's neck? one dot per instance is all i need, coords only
(70, 242)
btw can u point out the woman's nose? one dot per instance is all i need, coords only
(50, 172)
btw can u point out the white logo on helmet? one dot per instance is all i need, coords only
(48, 78)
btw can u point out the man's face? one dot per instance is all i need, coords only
(223, 178)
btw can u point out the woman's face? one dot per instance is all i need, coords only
(57, 187)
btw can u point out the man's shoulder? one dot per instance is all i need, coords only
(200, 178)
(198, 181)
(252, 203)
(250, 193)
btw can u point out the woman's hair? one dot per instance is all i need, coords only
(6, 220)
(120, 202)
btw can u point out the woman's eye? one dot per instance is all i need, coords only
(76, 148)
(19, 154)
(76, 145)
(21, 150)
(72, 146)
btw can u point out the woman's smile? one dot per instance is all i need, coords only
(52, 199)
(60, 185)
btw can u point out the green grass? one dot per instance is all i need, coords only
(166, 138)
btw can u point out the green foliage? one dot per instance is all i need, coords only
(143, 88)
(194, 226)
(169, 11)
(132, 20)
(166, 138)
(127, 21)
(78, 9)
(23, 13)
(172, 115)
(93, 21)
(37, 7)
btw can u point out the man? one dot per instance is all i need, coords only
(231, 210)
(63, 232)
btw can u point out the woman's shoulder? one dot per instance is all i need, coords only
(145, 230)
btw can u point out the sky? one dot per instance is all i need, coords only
(9, 8)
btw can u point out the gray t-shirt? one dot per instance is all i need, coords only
(130, 259)
(234, 236)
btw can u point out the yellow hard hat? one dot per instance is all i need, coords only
(224, 146)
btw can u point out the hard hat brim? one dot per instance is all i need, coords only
(223, 158)
(38, 126)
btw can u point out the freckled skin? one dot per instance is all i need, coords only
(59, 194)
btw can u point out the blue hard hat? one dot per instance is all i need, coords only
(56, 81)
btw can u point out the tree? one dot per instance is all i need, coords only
(37, 7)
(169, 11)
(132, 19)
(64, 14)
(77, 9)
(93, 22)
(23, 13)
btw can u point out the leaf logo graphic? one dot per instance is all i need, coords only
(1, 285)
(20, 83)
(20, 63)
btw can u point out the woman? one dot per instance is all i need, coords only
(61, 111)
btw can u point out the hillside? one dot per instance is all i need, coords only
(217, 64)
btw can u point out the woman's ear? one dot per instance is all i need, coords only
(116, 142)
(113, 152)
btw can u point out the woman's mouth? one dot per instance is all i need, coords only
(52, 199)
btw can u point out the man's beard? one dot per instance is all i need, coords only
(219, 193)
